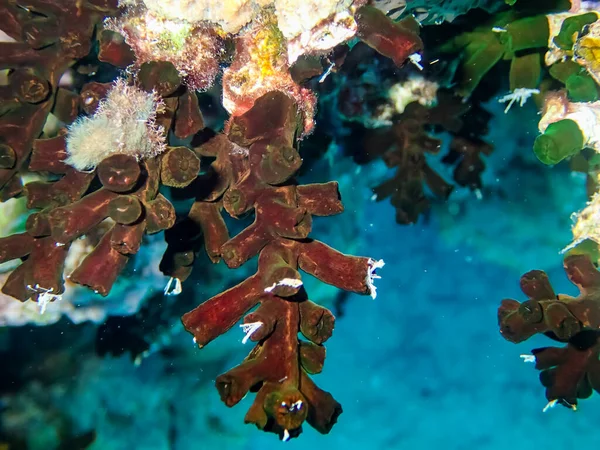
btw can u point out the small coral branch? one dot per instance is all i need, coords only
(568, 373)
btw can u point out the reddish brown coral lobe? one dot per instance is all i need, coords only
(397, 41)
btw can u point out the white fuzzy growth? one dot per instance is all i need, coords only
(372, 276)
(587, 225)
(416, 89)
(124, 123)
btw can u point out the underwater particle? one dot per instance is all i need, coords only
(124, 123)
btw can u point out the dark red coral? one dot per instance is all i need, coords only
(407, 143)
(571, 372)
(254, 165)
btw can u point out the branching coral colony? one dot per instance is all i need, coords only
(102, 171)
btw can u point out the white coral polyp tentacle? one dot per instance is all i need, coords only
(288, 282)
(124, 123)
(415, 59)
(286, 435)
(551, 404)
(372, 276)
(528, 358)
(249, 329)
(520, 95)
(45, 296)
(173, 287)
